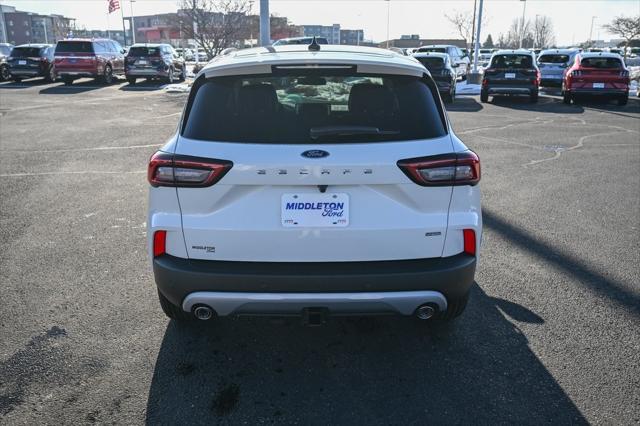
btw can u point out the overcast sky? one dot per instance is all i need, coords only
(571, 18)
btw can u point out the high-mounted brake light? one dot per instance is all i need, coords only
(469, 236)
(184, 171)
(455, 169)
(159, 243)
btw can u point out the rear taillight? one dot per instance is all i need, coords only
(624, 73)
(576, 73)
(469, 236)
(159, 243)
(462, 168)
(183, 171)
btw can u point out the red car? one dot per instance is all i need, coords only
(98, 58)
(596, 74)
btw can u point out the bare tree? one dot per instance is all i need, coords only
(511, 40)
(214, 24)
(543, 35)
(463, 24)
(626, 28)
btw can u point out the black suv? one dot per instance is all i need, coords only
(442, 71)
(511, 72)
(32, 60)
(154, 61)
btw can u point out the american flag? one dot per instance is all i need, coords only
(113, 5)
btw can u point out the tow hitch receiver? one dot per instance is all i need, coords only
(314, 317)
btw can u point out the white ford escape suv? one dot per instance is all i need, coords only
(314, 180)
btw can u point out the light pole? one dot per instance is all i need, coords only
(593, 18)
(388, 19)
(477, 41)
(133, 25)
(524, 10)
(265, 30)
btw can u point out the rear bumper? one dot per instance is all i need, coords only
(145, 73)
(399, 302)
(551, 81)
(178, 278)
(511, 90)
(600, 92)
(26, 72)
(71, 73)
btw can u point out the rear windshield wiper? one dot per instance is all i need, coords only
(342, 131)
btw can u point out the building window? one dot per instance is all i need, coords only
(11, 23)
(26, 33)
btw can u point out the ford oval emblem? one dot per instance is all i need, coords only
(315, 153)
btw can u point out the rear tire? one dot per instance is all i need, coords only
(67, 81)
(107, 75)
(51, 75)
(533, 98)
(455, 308)
(172, 311)
(484, 96)
(5, 74)
(171, 76)
(623, 100)
(183, 74)
(566, 97)
(131, 80)
(17, 79)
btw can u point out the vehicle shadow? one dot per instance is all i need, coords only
(545, 104)
(478, 369)
(584, 273)
(143, 86)
(610, 107)
(464, 104)
(24, 84)
(78, 86)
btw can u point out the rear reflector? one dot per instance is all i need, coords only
(159, 243)
(183, 171)
(469, 241)
(461, 168)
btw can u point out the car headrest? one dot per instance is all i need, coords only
(368, 98)
(257, 99)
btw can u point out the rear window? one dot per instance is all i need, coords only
(512, 61)
(553, 59)
(601, 63)
(313, 108)
(432, 63)
(74, 47)
(144, 51)
(25, 52)
(433, 49)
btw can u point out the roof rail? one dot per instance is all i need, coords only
(228, 51)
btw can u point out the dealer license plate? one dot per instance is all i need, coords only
(315, 210)
(509, 75)
(22, 62)
(598, 85)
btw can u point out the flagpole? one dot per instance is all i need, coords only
(124, 29)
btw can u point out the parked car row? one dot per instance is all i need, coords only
(102, 59)
(518, 72)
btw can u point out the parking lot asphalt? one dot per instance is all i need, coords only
(551, 333)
